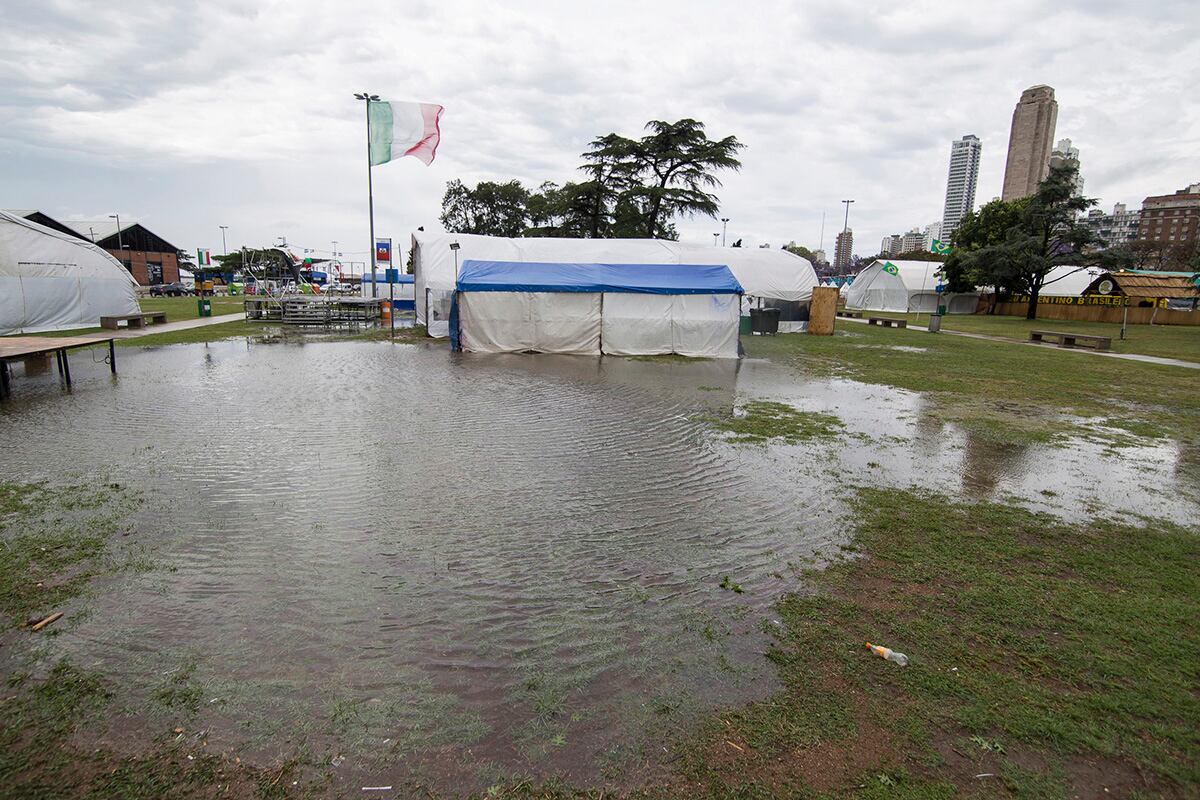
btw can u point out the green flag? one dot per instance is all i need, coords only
(940, 247)
(890, 268)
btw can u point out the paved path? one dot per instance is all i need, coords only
(150, 330)
(1167, 362)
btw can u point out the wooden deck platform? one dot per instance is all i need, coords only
(21, 348)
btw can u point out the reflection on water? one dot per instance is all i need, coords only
(453, 567)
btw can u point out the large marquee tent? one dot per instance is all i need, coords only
(51, 281)
(901, 286)
(771, 277)
(589, 309)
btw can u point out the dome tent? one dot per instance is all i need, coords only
(910, 286)
(52, 281)
(778, 277)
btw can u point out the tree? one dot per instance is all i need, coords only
(676, 165)
(800, 250)
(490, 209)
(917, 255)
(1012, 246)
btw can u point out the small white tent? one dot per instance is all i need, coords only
(1065, 281)
(51, 281)
(912, 286)
(775, 276)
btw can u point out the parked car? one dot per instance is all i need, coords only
(170, 290)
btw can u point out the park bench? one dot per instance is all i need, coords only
(850, 314)
(1065, 339)
(887, 322)
(134, 320)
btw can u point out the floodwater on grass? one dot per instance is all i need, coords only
(451, 569)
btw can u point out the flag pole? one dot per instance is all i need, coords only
(368, 97)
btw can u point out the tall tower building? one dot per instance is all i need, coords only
(842, 250)
(960, 184)
(1029, 142)
(1066, 154)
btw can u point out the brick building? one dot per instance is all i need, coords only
(148, 257)
(1172, 220)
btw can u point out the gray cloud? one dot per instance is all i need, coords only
(188, 115)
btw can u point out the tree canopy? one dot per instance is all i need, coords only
(635, 188)
(1013, 245)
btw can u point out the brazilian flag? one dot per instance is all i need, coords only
(940, 247)
(890, 268)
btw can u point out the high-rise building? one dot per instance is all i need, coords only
(843, 249)
(913, 241)
(1029, 140)
(1172, 219)
(890, 246)
(1116, 228)
(1065, 154)
(961, 182)
(932, 231)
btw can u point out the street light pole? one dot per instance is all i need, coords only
(715, 237)
(724, 226)
(224, 247)
(120, 243)
(367, 98)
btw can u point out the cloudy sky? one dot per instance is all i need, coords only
(186, 116)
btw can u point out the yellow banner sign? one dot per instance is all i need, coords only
(1093, 300)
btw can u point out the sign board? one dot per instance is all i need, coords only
(940, 288)
(383, 251)
(392, 275)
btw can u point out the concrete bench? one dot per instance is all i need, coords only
(1067, 339)
(850, 314)
(134, 320)
(887, 322)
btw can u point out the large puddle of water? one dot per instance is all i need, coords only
(421, 566)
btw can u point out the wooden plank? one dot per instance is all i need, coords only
(13, 347)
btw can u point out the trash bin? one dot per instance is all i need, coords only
(935, 323)
(744, 326)
(768, 321)
(756, 320)
(204, 307)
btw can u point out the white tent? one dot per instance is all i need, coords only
(912, 287)
(776, 276)
(51, 281)
(1064, 281)
(589, 309)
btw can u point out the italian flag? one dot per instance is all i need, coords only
(202, 257)
(403, 129)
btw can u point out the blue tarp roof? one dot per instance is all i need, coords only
(532, 276)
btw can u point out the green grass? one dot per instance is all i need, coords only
(1047, 641)
(53, 541)
(208, 333)
(762, 420)
(1166, 341)
(1002, 393)
(179, 309)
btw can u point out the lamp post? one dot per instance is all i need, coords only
(117, 217)
(724, 226)
(367, 97)
(715, 237)
(224, 247)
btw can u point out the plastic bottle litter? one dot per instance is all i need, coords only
(888, 653)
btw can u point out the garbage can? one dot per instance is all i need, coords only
(204, 307)
(744, 326)
(756, 320)
(935, 323)
(769, 321)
